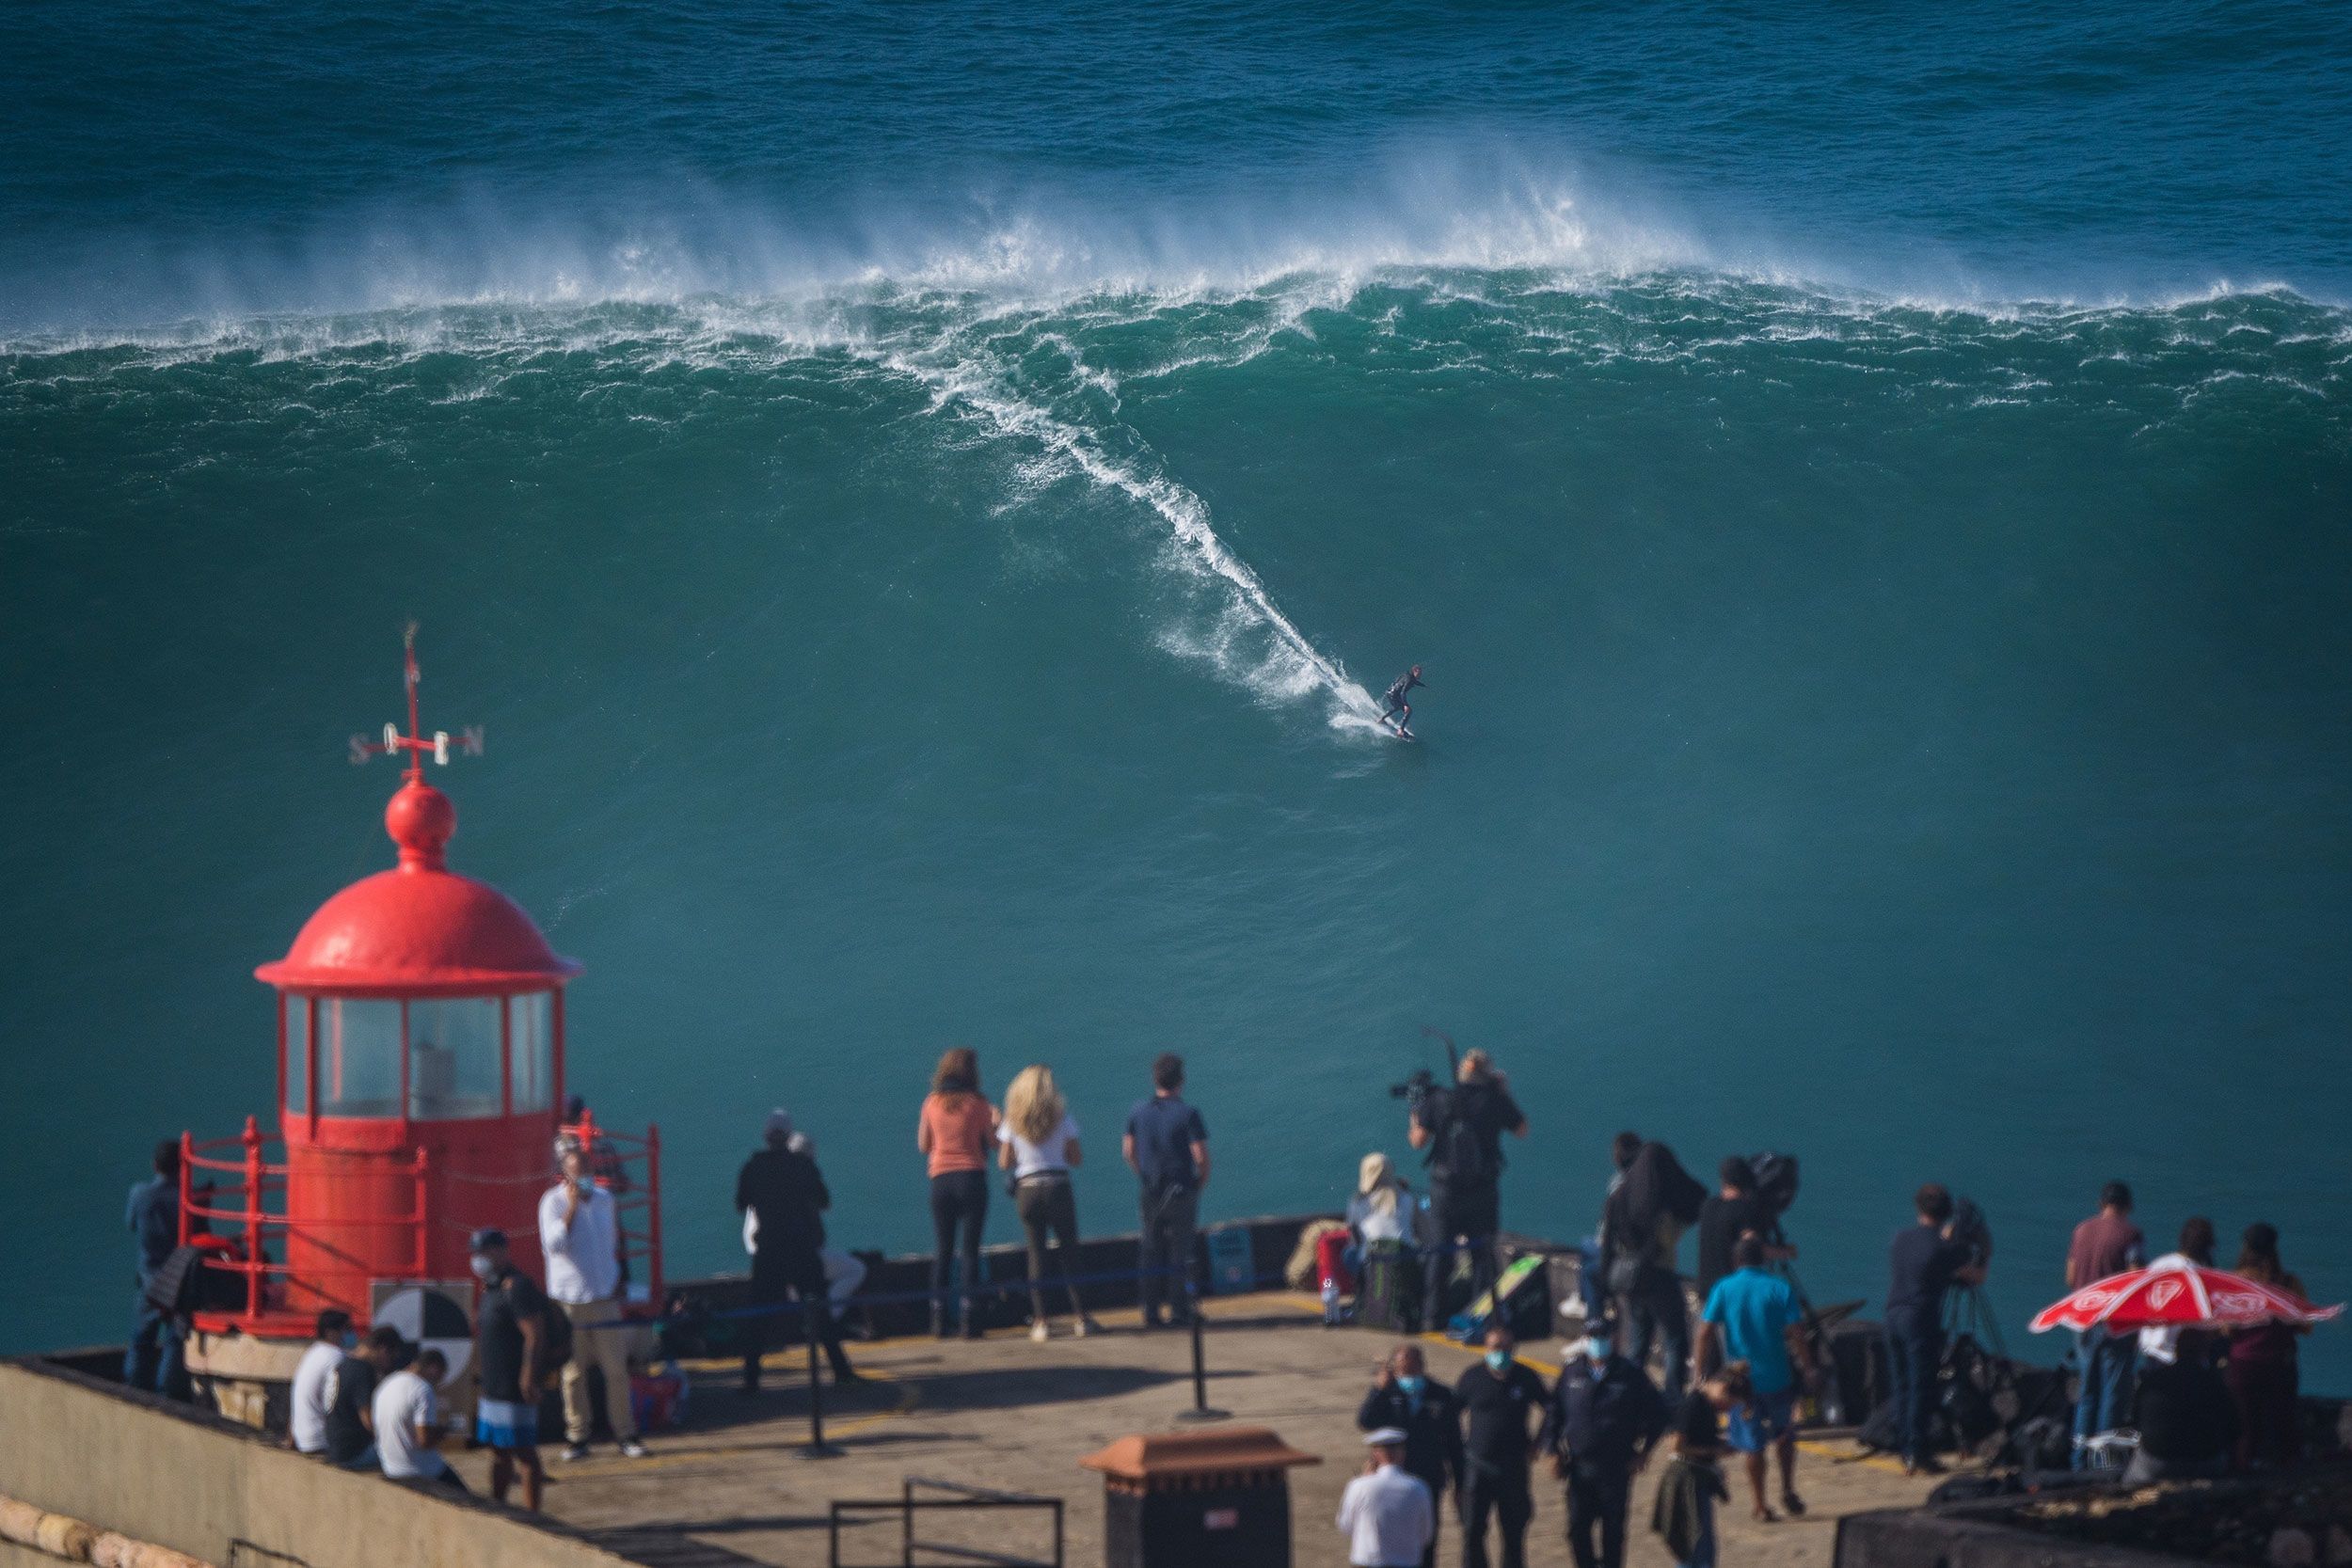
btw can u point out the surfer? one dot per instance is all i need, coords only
(1400, 708)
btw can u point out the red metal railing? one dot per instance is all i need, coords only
(636, 1196)
(255, 1204)
(247, 1208)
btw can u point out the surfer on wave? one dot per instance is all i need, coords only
(1399, 707)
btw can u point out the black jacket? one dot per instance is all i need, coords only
(789, 1195)
(1604, 1423)
(1432, 1435)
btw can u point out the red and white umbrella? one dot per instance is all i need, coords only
(2173, 1293)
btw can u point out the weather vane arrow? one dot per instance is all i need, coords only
(466, 742)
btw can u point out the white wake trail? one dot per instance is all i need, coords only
(1298, 666)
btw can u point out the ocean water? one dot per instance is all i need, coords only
(920, 499)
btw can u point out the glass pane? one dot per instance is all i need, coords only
(297, 1051)
(531, 1023)
(453, 1058)
(359, 1057)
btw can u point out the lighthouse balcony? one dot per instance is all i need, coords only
(288, 1228)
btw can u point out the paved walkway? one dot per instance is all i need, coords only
(734, 1486)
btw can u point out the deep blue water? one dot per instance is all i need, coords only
(918, 498)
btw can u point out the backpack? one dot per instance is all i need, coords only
(1463, 1151)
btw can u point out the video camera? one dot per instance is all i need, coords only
(1418, 1091)
(1971, 1230)
(1775, 1181)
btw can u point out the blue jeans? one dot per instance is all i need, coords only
(153, 1361)
(2106, 1402)
(1913, 1353)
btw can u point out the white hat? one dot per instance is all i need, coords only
(1387, 1437)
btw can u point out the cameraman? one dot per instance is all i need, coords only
(1462, 1130)
(1927, 1260)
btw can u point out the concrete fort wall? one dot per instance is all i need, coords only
(172, 1474)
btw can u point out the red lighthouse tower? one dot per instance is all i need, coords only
(421, 1087)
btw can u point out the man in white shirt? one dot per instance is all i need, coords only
(306, 1413)
(579, 1233)
(407, 1415)
(1387, 1511)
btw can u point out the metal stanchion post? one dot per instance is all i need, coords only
(1202, 1410)
(817, 1448)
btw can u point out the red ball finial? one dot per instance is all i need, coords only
(420, 820)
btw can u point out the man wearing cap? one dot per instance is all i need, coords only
(579, 1232)
(1388, 1514)
(1407, 1400)
(1604, 1417)
(783, 1195)
(510, 1328)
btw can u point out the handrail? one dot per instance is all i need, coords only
(253, 1197)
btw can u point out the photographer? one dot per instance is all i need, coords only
(1462, 1129)
(1927, 1260)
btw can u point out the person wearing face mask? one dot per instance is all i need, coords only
(580, 1235)
(307, 1406)
(510, 1328)
(1497, 1395)
(1430, 1418)
(1604, 1417)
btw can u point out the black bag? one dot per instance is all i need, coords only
(1463, 1154)
(1390, 1296)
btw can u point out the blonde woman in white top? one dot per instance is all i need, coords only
(1037, 1142)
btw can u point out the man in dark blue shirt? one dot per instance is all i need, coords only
(1167, 1145)
(1924, 1262)
(153, 1362)
(1604, 1419)
(1431, 1419)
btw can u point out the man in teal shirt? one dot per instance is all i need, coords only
(1750, 1313)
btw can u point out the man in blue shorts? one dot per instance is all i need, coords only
(1748, 1316)
(510, 1335)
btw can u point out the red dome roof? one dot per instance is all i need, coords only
(420, 929)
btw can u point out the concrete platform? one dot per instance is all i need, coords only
(734, 1486)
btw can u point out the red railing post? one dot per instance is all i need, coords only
(653, 1210)
(252, 1218)
(187, 1161)
(424, 1214)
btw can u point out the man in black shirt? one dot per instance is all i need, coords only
(513, 1352)
(1733, 1210)
(783, 1188)
(1924, 1263)
(1464, 1137)
(1431, 1419)
(1497, 1396)
(350, 1398)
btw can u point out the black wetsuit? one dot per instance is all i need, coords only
(1399, 695)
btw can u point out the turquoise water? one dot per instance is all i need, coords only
(919, 504)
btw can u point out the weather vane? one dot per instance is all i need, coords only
(468, 741)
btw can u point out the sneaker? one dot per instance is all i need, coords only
(632, 1448)
(574, 1450)
(1040, 1331)
(1083, 1327)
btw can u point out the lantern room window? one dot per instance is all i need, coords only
(298, 1011)
(453, 1058)
(531, 1035)
(359, 1057)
